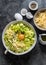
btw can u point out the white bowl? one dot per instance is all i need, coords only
(29, 25)
(35, 7)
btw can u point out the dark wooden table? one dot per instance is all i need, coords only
(7, 10)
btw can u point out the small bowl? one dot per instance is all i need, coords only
(41, 40)
(33, 5)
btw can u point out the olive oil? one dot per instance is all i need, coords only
(43, 37)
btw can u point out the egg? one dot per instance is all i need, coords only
(18, 16)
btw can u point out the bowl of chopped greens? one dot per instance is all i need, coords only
(19, 37)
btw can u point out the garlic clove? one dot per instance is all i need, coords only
(29, 15)
(18, 16)
(23, 11)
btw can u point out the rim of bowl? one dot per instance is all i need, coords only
(35, 7)
(26, 23)
(42, 9)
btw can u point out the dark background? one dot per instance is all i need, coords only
(7, 10)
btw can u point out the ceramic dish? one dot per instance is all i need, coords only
(25, 23)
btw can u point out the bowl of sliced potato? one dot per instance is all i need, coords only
(40, 19)
(19, 37)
